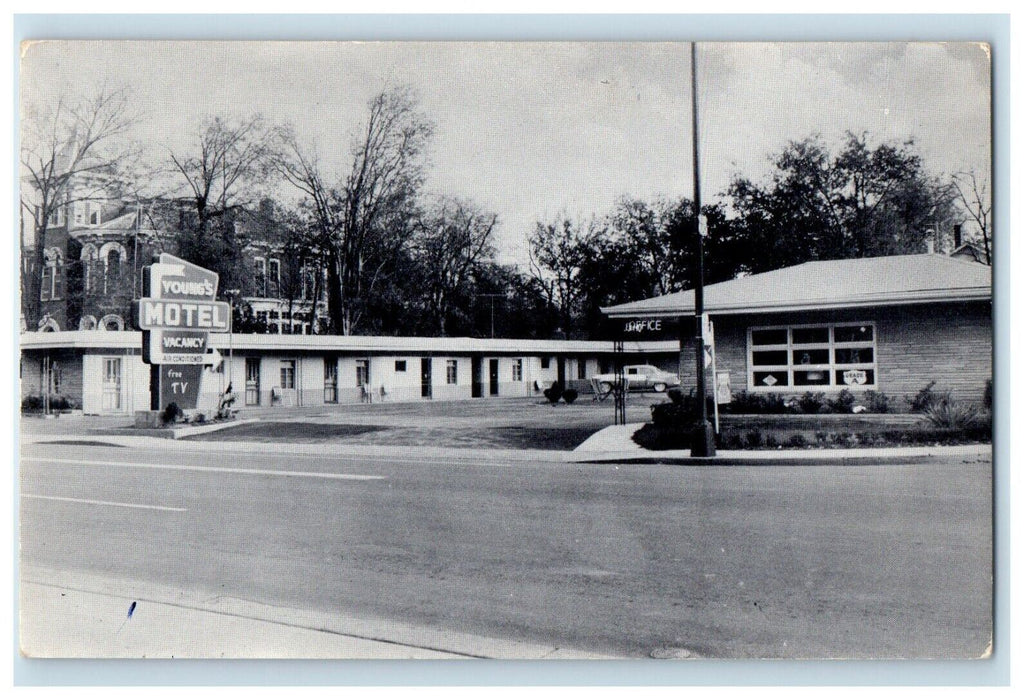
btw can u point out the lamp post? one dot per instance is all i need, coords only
(231, 293)
(703, 440)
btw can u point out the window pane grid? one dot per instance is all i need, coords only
(827, 366)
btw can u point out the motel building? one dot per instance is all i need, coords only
(103, 371)
(888, 324)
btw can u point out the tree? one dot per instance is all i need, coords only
(452, 239)
(373, 204)
(556, 258)
(974, 197)
(220, 175)
(69, 153)
(863, 201)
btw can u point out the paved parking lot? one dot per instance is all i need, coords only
(501, 423)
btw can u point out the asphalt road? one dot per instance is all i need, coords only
(801, 562)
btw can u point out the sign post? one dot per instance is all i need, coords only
(177, 313)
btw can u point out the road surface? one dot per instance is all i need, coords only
(627, 560)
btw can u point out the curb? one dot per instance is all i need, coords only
(172, 433)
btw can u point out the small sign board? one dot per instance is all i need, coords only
(854, 377)
(723, 394)
(180, 384)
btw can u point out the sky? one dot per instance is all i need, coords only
(536, 130)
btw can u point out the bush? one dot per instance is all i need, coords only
(843, 402)
(810, 402)
(745, 402)
(950, 415)
(34, 402)
(730, 441)
(797, 440)
(676, 396)
(753, 439)
(878, 402)
(171, 414)
(569, 395)
(987, 400)
(927, 397)
(674, 416)
(553, 393)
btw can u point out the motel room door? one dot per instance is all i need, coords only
(252, 373)
(111, 391)
(477, 377)
(427, 377)
(494, 377)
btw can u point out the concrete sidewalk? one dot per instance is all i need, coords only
(615, 444)
(77, 615)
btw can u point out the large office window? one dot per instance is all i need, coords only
(517, 370)
(812, 357)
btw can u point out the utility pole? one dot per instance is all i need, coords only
(703, 440)
(492, 298)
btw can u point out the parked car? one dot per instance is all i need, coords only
(638, 377)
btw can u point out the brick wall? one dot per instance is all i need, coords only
(949, 343)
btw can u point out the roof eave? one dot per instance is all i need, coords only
(980, 294)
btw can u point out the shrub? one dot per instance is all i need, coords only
(846, 440)
(950, 415)
(753, 439)
(797, 440)
(553, 393)
(674, 416)
(843, 402)
(569, 395)
(172, 413)
(676, 396)
(820, 436)
(35, 402)
(987, 399)
(927, 397)
(810, 402)
(731, 441)
(745, 402)
(878, 402)
(771, 440)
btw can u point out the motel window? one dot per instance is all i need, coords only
(545, 361)
(517, 370)
(581, 366)
(812, 357)
(400, 365)
(361, 372)
(452, 371)
(259, 277)
(287, 374)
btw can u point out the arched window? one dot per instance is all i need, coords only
(112, 322)
(112, 255)
(88, 323)
(88, 257)
(52, 265)
(48, 325)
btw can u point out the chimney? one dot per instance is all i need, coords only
(930, 245)
(957, 234)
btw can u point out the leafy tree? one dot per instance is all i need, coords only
(862, 201)
(556, 257)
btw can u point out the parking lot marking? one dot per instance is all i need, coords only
(196, 468)
(102, 503)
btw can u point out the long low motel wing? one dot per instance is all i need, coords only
(103, 371)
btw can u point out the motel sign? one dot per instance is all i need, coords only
(177, 312)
